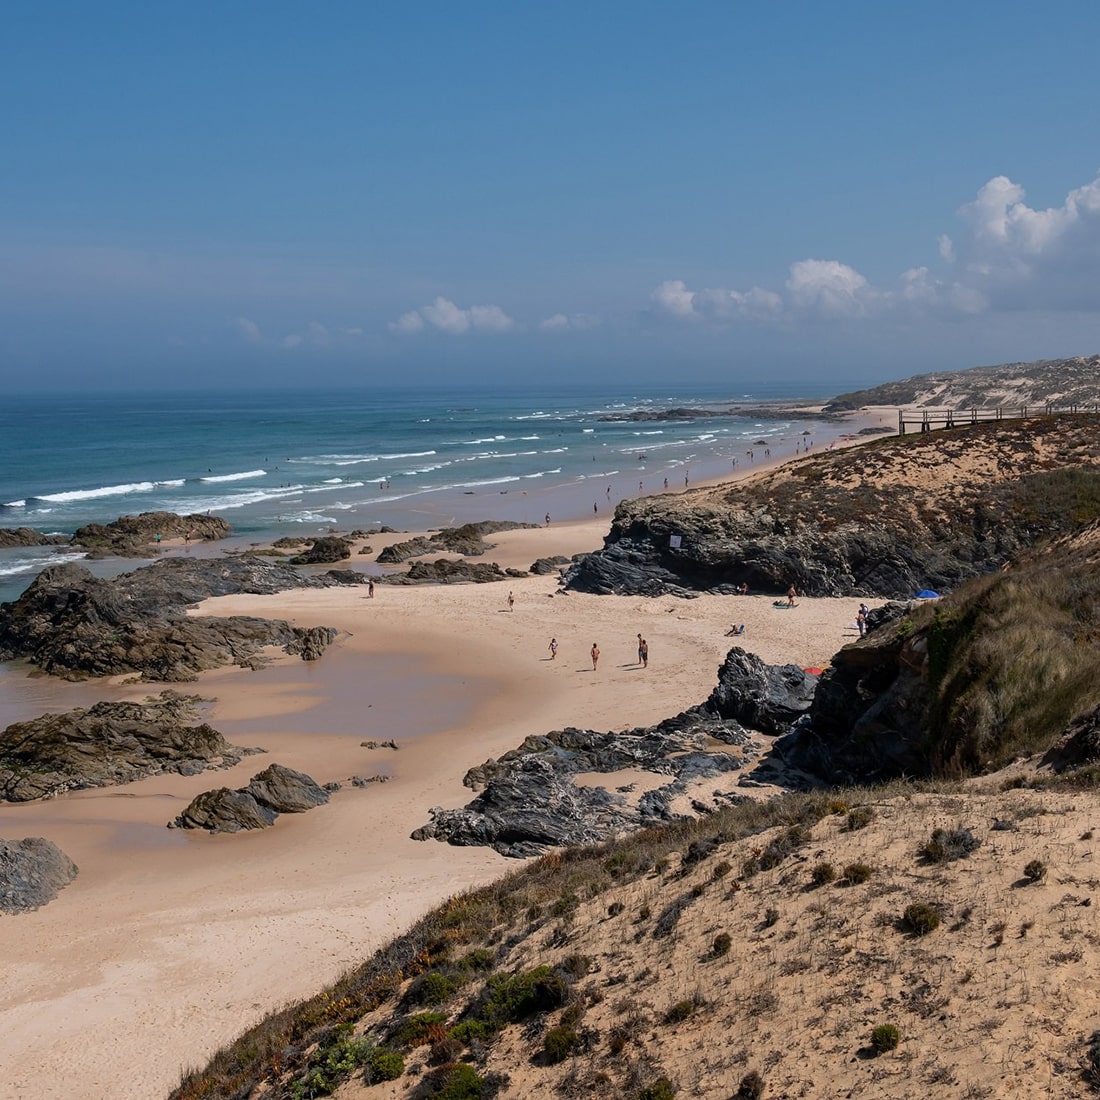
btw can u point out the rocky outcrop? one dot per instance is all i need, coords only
(327, 549)
(888, 518)
(467, 540)
(136, 536)
(11, 537)
(32, 873)
(542, 567)
(445, 571)
(75, 625)
(529, 799)
(276, 790)
(108, 744)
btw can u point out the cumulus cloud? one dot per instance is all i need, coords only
(1008, 256)
(445, 316)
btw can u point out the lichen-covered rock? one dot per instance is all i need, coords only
(32, 872)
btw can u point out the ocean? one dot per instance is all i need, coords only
(275, 463)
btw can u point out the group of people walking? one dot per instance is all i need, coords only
(594, 652)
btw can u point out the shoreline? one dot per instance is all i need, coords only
(210, 933)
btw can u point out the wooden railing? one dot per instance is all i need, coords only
(928, 419)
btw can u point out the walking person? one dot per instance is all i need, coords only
(643, 651)
(553, 647)
(370, 589)
(511, 601)
(595, 656)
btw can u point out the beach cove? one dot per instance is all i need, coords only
(167, 943)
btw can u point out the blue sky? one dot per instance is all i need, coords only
(213, 194)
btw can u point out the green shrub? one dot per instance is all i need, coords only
(822, 874)
(422, 1028)
(885, 1037)
(751, 1087)
(384, 1065)
(946, 845)
(722, 943)
(559, 1043)
(434, 987)
(921, 918)
(856, 873)
(721, 869)
(1035, 871)
(661, 1089)
(617, 1041)
(457, 1081)
(859, 817)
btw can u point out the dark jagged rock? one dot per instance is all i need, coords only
(329, 548)
(224, 811)
(763, 697)
(528, 799)
(398, 552)
(32, 872)
(276, 790)
(11, 537)
(136, 536)
(107, 744)
(542, 567)
(444, 571)
(888, 518)
(286, 791)
(75, 625)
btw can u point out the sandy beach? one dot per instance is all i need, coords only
(168, 943)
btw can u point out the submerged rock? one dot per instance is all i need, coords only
(32, 873)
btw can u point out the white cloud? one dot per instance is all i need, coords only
(292, 341)
(445, 316)
(248, 329)
(561, 322)
(317, 334)
(355, 331)
(1008, 257)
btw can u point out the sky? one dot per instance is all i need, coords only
(230, 194)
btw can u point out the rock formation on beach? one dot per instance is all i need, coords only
(26, 536)
(75, 625)
(137, 536)
(446, 571)
(32, 872)
(529, 799)
(885, 519)
(323, 551)
(108, 744)
(467, 540)
(276, 790)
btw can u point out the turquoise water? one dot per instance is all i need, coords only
(304, 463)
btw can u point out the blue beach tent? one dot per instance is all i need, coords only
(927, 594)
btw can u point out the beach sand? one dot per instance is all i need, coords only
(169, 944)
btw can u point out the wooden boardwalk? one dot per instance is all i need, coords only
(926, 420)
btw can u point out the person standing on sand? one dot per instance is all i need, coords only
(640, 644)
(547, 519)
(792, 592)
(553, 647)
(595, 656)
(643, 652)
(511, 601)
(370, 589)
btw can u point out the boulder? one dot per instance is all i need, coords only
(224, 811)
(330, 548)
(763, 697)
(32, 872)
(445, 571)
(286, 791)
(543, 567)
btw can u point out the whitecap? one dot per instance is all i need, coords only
(234, 477)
